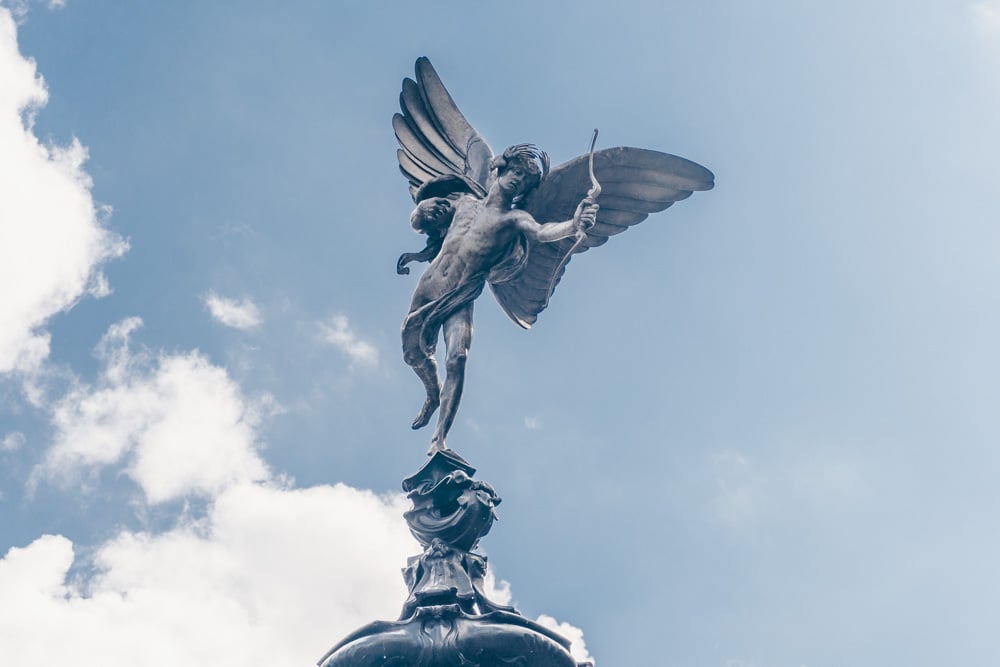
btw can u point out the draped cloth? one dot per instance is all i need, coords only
(421, 326)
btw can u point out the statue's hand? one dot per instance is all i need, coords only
(433, 213)
(586, 214)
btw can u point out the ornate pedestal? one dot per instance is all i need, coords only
(447, 620)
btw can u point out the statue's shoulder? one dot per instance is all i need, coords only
(516, 215)
(464, 200)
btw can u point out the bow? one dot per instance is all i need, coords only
(581, 234)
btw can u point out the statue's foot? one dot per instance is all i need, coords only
(424, 416)
(437, 446)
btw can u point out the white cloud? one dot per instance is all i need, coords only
(532, 423)
(271, 576)
(52, 237)
(19, 8)
(12, 442)
(578, 647)
(987, 17)
(183, 424)
(337, 331)
(242, 314)
(497, 590)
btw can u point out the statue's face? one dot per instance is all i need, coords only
(513, 180)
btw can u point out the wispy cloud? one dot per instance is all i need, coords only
(242, 314)
(987, 17)
(19, 8)
(53, 239)
(338, 332)
(747, 489)
(12, 442)
(532, 423)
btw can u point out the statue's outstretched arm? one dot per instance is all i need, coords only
(582, 220)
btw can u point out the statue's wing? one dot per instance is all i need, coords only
(434, 137)
(634, 183)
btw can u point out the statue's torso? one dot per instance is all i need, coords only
(478, 238)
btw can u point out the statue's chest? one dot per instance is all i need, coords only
(478, 223)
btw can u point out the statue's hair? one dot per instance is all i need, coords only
(528, 157)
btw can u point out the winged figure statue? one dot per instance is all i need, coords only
(507, 220)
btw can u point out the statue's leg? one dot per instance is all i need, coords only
(425, 367)
(457, 339)
(428, 374)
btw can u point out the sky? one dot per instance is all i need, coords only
(758, 430)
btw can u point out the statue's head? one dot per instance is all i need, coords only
(532, 162)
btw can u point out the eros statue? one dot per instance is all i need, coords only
(507, 220)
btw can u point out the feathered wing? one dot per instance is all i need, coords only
(634, 183)
(434, 137)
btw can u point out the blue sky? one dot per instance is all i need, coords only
(758, 430)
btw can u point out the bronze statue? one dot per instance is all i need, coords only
(507, 220)
(510, 221)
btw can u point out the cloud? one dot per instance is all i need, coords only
(271, 576)
(12, 442)
(183, 425)
(19, 8)
(986, 15)
(532, 423)
(337, 331)
(578, 647)
(242, 314)
(53, 240)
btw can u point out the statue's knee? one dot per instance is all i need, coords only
(456, 361)
(415, 358)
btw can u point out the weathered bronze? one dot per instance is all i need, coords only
(447, 620)
(507, 220)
